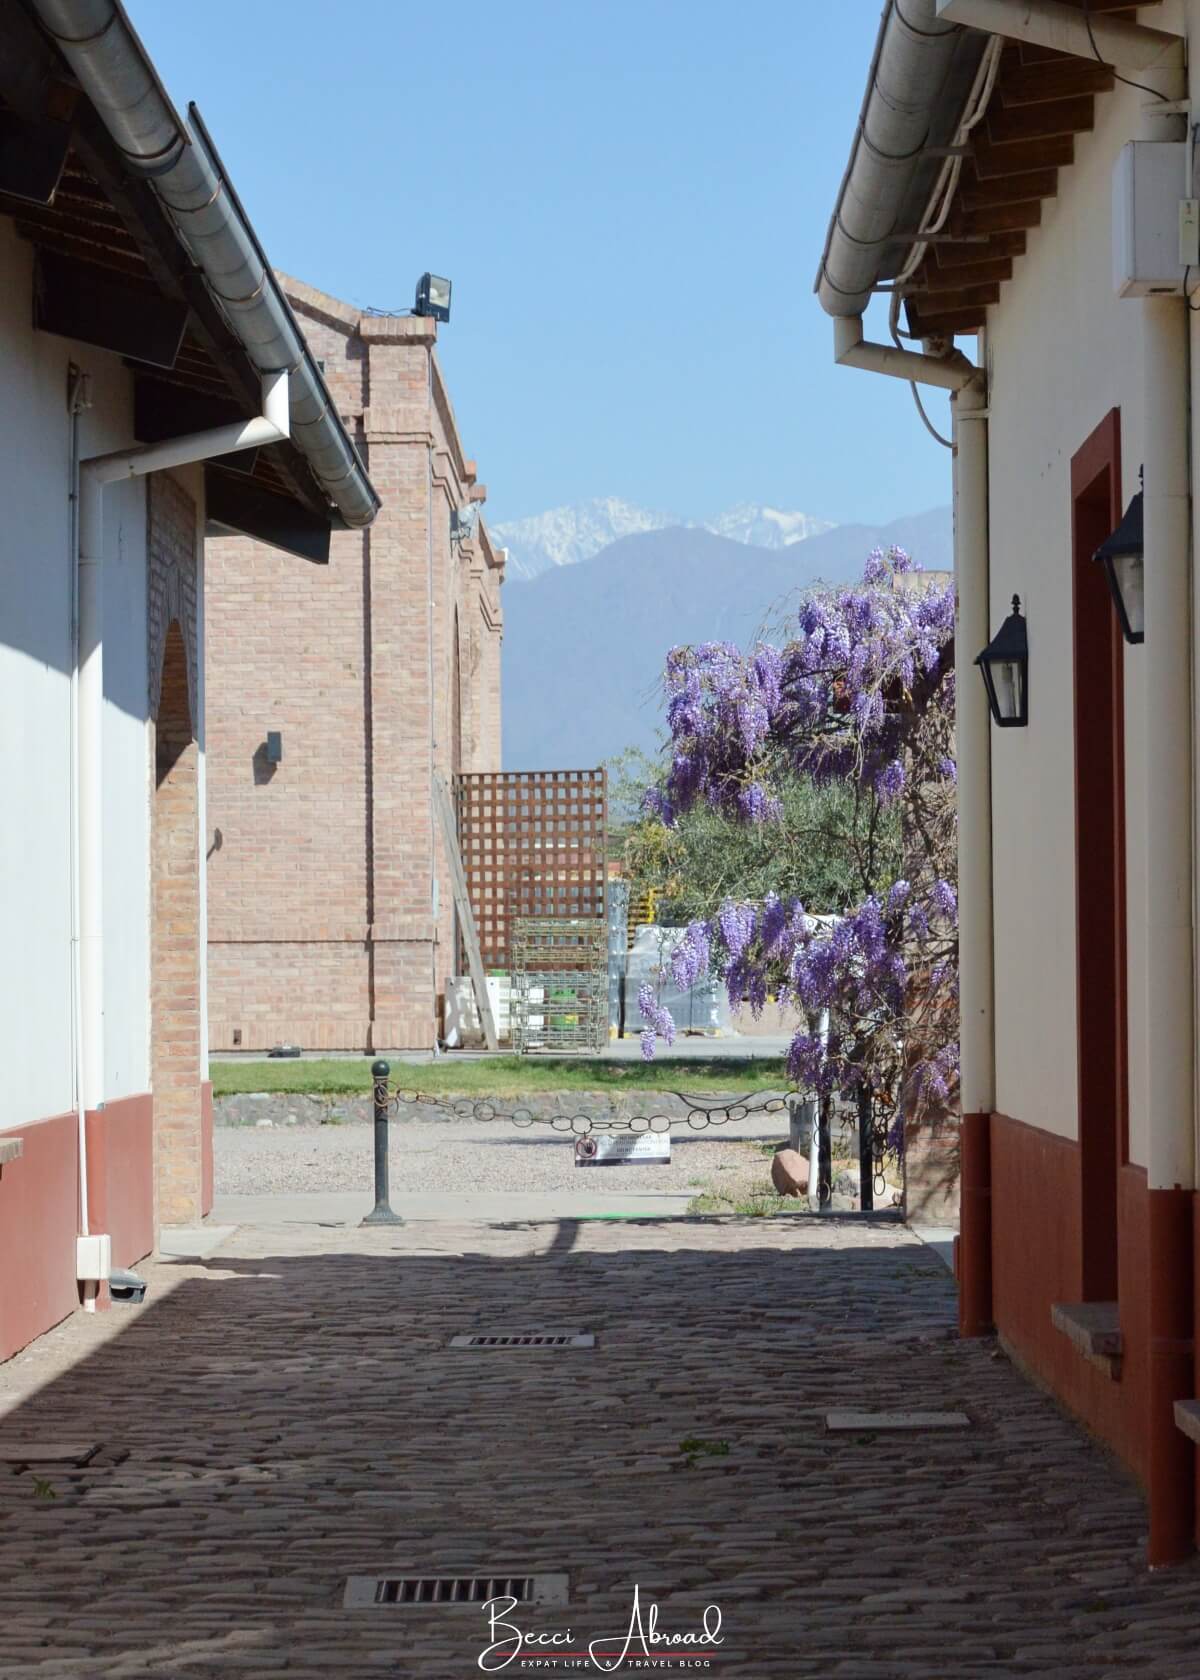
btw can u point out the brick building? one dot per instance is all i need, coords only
(330, 914)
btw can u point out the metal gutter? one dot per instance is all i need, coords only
(181, 164)
(915, 70)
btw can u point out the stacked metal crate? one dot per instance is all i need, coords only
(559, 967)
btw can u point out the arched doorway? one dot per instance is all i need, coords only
(175, 1048)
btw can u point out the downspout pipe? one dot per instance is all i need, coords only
(914, 53)
(94, 474)
(952, 372)
(973, 755)
(181, 164)
(1169, 995)
(968, 386)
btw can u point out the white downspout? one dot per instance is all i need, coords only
(973, 755)
(272, 426)
(968, 383)
(79, 401)
(1168, 708)
(973, 751)
(1169, 988)
(950, 372)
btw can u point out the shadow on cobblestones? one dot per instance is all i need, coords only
(289, 1413)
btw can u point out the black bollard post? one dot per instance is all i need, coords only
(825, 1154)
(866, 1152)
(381, 1213)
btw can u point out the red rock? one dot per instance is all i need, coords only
(789, 1173)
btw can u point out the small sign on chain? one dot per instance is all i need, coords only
(620, 1149)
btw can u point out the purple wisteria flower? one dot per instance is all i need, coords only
(689, 960)
(861, 695)
(659, 1023)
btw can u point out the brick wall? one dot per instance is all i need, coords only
(321, 919)
(176, 1052)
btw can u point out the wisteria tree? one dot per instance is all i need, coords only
(863, 695)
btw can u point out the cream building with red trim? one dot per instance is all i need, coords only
(992, 193)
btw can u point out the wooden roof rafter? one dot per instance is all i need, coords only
(1040, 102)
(110, 228)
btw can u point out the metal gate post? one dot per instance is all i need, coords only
(381, 1213)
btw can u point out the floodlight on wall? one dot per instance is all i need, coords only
(1122, 555)
(463, 522)
(433, 297)
(1004, 663)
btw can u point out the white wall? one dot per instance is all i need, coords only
(35, 660)
(1064, 350)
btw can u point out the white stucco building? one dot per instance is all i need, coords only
(153, 385)
(993, 194)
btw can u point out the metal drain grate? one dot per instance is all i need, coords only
(435, 1591)
(563, 1339)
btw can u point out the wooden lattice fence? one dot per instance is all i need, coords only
(533, 843)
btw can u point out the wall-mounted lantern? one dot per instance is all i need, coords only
(1004, 663)
(1122, 557)
(274, 747)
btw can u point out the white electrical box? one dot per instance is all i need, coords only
(1149, 186)
(93, 1258)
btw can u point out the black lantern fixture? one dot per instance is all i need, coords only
(1005, 666)
(1122, 557)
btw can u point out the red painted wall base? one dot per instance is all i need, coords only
(973, 1255)
(1036, 1261)
(38, 1224)
(39, 1210)
(120, 1139)
(206, 1149)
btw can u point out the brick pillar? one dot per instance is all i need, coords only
(176, 1052)
(399, 430)
(175, 950)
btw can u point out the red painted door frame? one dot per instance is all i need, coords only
(1100, 911)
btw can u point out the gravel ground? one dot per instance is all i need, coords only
(430, 1152)
(438, 1154)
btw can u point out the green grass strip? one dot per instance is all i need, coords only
(502, 1076)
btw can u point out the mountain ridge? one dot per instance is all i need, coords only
(585, 643)
(563, 536)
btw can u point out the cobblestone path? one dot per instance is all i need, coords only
(288, 1413)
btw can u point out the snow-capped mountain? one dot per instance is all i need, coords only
(565, 535)
(765, 527)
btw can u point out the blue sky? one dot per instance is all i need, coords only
(630, 197)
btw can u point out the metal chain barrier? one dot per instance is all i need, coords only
(698, 1116)
(881, 1144)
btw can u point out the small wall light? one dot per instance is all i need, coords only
(1004, 663)
(1122, 555)
(433, 297)
(274, 747)
(463, 522)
